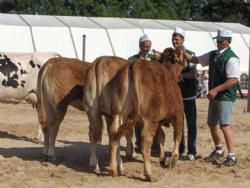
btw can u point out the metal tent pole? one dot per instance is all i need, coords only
(83, 47)
(248, 93)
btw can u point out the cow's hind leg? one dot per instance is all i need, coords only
(130, 150)
(53, 130)
(46, 143)
(178, 124)
(95, 136)
(161, 140)
(116, 131)
(118, 157)
(39, 137)
(42, 117)
(148, 132)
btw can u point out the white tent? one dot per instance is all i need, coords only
(111, 36)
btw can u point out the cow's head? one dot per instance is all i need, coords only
(174, 61)
(173, 56)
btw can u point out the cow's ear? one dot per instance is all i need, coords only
(157, 54)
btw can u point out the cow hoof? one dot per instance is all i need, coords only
(112, 172)
(95, 168)
(151, 179)
(121, 168)
(51, 159)
(45, 158)
(172, 162)
(37, 141)
(131, 157)
(163, 163)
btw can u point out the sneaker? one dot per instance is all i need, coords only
(230, 161)
(190, 157)
(215, 155)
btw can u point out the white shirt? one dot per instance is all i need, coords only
(232, 67)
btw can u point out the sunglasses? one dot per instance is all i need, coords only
(220, 41)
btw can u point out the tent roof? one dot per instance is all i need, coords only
(112, 23)
(11, 19)
(116, 23)
(146, 23)
(77, 21)
(42, 21)
(235, 27)
(177, 23)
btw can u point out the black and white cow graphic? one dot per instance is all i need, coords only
(18, 75)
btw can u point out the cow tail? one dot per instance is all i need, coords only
(40, 98)
(99, 125)
(91, 103)
(133, 81)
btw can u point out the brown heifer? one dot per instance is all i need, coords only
(97, 101)
(148, 92)
(60, 83)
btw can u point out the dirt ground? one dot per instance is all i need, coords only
(22, 165)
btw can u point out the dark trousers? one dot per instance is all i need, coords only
(190, 114)
(138, 128)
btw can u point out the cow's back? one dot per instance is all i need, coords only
(55, 89)
(98, 82)
(145, 89)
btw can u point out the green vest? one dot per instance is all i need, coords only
(149, 57)
(188, 86)
(217, 74)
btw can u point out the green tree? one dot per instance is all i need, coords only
(225, 11)
(202, 10)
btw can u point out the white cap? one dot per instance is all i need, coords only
(143, 38)
(223, 34)
(180, 31)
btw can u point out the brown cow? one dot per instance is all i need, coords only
(60, 83)
(147, 92)
(97, 101)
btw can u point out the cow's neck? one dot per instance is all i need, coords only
(176, 70)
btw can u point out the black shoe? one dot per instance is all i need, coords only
(182, 157)
(155, 152)
(138, 150)
(230, 161)
(214, 156)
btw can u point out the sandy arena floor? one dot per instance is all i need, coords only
(21, 161)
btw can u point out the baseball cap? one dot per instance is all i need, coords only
(143, 38)
(180, 31)
(223, 34)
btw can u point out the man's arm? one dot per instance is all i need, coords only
(203, 59)
(222, 87)
(191, 58)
